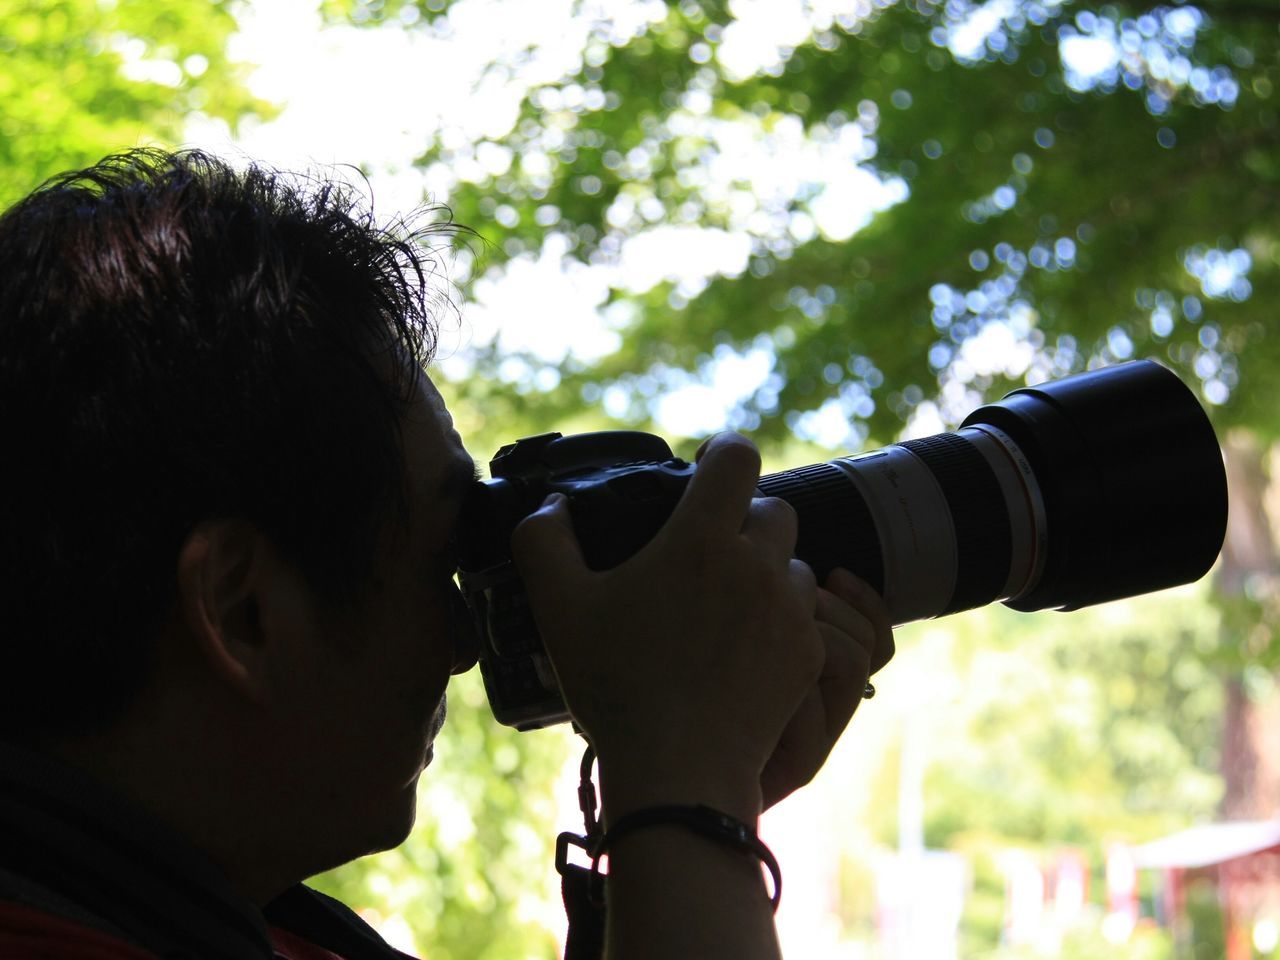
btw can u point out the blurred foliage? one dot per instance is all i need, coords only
(1074, 727)
(83, 78)
(1147, 943)
(1128, 214)
(1204, 912)
(1084, 726)
(1050, 733)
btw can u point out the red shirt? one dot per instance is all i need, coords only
(30, 934)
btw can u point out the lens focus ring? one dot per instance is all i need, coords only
(835, 526)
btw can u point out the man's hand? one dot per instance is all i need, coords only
(858, 635)
(686, 664)
(707, 669)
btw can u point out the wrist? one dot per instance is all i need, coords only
(714, 826)
(628, 784)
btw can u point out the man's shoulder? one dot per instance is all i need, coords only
(30, 933)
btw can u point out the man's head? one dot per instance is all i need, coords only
(210, 388)
(181, 341)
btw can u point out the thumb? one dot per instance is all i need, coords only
(546, 550)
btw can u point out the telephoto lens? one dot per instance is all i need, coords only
(1104, 485)
(1099, 486)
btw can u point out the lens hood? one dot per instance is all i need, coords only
(1132, 479)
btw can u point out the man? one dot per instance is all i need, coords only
(228, 506)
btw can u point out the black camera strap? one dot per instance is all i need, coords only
(583, 887)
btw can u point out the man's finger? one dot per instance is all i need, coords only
(722, 487)
(804, 583)
(772, 522)
(860, 595)
(546, 550)
(843, 679)
(838, 612)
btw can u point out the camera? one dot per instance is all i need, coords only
(1102, 485)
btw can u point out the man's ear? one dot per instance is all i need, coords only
(225, 570)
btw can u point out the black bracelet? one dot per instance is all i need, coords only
(701, 820)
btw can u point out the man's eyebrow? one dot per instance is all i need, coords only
(458, 476)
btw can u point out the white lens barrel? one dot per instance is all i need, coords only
(915, 529)
(929, 569)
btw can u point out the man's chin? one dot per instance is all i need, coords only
(395, 825)
(405, 828)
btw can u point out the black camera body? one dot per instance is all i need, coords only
(1099, 486)
(622, 485)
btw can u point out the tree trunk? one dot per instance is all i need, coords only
(1251, 742)
(1250, 763)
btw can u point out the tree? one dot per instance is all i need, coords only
(1087, 215)
(1065, 184)
(80, 79)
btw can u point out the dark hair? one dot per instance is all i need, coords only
(179, 341)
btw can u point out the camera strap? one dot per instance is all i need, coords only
(583, 887)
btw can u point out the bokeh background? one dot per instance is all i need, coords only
(830, 224)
